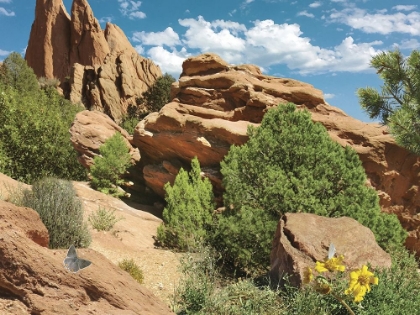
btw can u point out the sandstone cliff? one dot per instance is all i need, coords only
(99, 68)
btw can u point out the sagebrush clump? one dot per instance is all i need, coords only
(290, 164)
(187, 217)
(60, 210)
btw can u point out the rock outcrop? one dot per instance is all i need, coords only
(303, 238)
(213, 104)
(96, 67)
(35, 276)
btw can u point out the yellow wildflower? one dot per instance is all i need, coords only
(322, 286)
(360, 281)
(331, 264)
(307, 275)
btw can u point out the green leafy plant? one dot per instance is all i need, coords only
(34, 130)
(290, 164)
(398, 102)
(112, 163)
(130, 266)
(103, 219)
(60, 210)
(187, 216)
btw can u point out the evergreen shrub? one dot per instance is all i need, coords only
(187, 216)
(60, 210)
(290, 164)
(110, 165)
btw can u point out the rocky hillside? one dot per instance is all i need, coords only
(212, 105)
(99, 68)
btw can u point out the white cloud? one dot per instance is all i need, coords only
(5, 12)
(131, 9)
(106, 19)
(204, 36)
(379, 22)
(409, 44)
(265, 44)
(168, 61)
(315, 4)
(168, 37)
(329, 96)
(4, 52)
(5, 1)
(305, 13)
(404, 7)
(139, 49)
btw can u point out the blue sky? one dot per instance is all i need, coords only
(327, 43)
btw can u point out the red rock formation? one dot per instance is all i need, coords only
(303, 238)
(49, 46)
(35, 275)
(96, 67)
(213, 104)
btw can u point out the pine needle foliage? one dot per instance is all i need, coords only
(291, 164)
(187, 216)
(60, 210)
(110, 165)
(398, 103)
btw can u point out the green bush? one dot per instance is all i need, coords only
(34, 129)
(103, 219)
(110, 165)
(130, 266)
(151, 100)
(187, 216)
(60, 210)
(290, 164)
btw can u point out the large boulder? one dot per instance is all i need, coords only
(212, 105)
(99, 68)
(303, 238)
(35, 276)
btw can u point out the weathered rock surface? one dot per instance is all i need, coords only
(90, 129)
(96, 67)
(213, 104)
(303, 238)
(35, 276)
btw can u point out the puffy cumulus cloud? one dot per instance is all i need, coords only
(168, 37)
(169, 61)
(131, 9)
(378, 22)
(5, 12)
(206, 36)
(265, 44)
(305, 13)
(272, 44)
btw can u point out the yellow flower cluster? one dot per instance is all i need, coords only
(360, 280)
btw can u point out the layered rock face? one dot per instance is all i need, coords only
(35, 275)
(99, 68)
(213, 104)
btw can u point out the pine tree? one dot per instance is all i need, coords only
(291, 164)
(398, 103)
